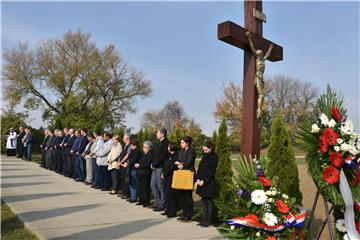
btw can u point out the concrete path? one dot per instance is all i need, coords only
(56, 207)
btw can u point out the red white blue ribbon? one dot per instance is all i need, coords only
(291, 222)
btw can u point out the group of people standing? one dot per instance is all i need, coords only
(134, 172)
(20, 144)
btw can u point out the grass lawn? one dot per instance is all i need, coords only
(11, 227)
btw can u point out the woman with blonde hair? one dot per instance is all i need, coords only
(113, 167)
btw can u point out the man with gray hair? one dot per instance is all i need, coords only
(156, 183)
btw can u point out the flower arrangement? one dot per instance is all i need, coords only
(265, 213)
(332, 154)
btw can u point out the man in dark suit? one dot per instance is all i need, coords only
(68, 145)
(80, 161)
(42, 147)
(48, 149)
(20, 146)
(63, 151)
(73, 151)
(58, 154)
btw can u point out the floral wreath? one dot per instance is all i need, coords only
(333, 158)
(266, 213)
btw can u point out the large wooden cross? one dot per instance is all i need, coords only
(234, 34)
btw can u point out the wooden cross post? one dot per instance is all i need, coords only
(234, 34)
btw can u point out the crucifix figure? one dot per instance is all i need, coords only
(259, 75)
(236, 35)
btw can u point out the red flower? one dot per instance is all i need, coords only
(357, 206)
(265, 181)
(282, 207)
(252, 217)
(336, 159)
(335, 112)
(358, 227)
(330, 136)
(324, 146)
(270, 238)
(331, 175)
(356, 179)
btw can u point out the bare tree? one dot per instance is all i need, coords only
(172, 115)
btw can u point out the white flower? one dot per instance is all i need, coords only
(273, 193)
(232, 227)
(339, 141)
(353, 150)
(258, 167)
(257, 234)
(347, 128)
(340, 225)
(346, 237)
(270, 200)
(337, 148)
(258, 197)
(315, 128)
(332, 123)
(345, 147)
(270, 219)
(284, 196)
(268, 192)
(324, 119)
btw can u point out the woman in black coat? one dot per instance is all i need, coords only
(143, 173)
(170, 193)
(206, 182)
(186, 161)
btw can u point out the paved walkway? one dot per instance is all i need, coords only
(56, 207)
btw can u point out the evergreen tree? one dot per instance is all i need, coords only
(224, 172)
(141, 138)
(214, 137)
(282, 162)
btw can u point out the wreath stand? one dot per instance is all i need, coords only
(327, 219)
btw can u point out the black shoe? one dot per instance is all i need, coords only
(87, 183)
(93, 186)
(164, 213)
(138, 204)
(158, 209)
(124, 197)
(171, 216)
(181, 218)
(132, 201)
(186, 219)
(145, 205)
(105, 189)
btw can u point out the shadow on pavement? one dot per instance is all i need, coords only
(27, 197)
(50, 213)
(117, 231)
(22, 184)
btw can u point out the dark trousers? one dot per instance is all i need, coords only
(25, 152)
(125, 188)
(58, 154)
(76, 166)
(104, 177)
(187, 202)
(53, 159)
(43, 157)
(29, 152)
(96, 173)
(115, 179)
(208, 211)
(171, 197)
(48, 158)
(64, 155)
(143, 182)
(82, 165)
(70, 160)
(20, 150)
(11, 152)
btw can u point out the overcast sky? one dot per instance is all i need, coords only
(176, 45)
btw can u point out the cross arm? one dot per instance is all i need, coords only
(234, 34)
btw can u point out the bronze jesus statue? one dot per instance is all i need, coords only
(259, 75)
